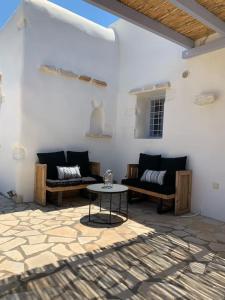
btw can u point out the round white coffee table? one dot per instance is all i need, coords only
(116, 189)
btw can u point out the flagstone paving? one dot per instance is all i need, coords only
(54, 253)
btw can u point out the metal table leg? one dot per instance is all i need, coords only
(118, 211)
(127, 197)
(120, 203)
(90, 200)
(100, 201)
(110, 210)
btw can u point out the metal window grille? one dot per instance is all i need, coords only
(156, 117)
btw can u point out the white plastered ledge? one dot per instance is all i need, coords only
(98, 136)
(150, 88)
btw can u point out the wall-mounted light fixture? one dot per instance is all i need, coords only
(205, 99)
(185, 74)
(19, 152)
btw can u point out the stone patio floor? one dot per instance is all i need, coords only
(53, 253)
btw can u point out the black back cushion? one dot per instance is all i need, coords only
(81, 159)
(148, 162)
(171, 165)
(52, 159)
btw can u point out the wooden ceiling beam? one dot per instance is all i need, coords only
(117, 8)
(204, 49)
(200, 13)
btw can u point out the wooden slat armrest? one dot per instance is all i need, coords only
(184, 172)
(95, 168)
(151, 193)
(183, 192)
(132, 171)
(41, 174)
(40, 183)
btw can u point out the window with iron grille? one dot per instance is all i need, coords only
(149, 115)
(156, 117)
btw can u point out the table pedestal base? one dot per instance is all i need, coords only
(112, 212)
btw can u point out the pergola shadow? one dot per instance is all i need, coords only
(150, 266)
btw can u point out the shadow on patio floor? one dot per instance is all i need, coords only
(157, 257)
(151, 266)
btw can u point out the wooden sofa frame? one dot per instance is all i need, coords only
(41, 187)
(182, 196)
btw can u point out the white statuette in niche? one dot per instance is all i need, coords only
(205, 99)
(97, 120)
(19, 152)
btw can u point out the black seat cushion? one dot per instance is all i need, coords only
(148, 162)
(81, 159)
(63, 183)
(70, 182)
(99, 179)
(161, 189)
(171, 165)
(52, 159)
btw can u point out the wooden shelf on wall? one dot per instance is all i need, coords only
(98, 136)
(52, 70)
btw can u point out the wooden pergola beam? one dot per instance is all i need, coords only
(139, 19)
(204, 49)
(200, 13)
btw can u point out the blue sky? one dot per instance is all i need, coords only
(7, 7)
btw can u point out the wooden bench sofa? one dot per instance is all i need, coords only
(43, 185)
(46, 174)
(178, 196)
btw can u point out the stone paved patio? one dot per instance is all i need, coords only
(47, 253)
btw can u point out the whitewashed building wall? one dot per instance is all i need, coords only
(49, 113)
(189, 129)
(53, 111)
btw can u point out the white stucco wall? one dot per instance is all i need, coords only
(55, 111)
(11, 68)
(49, 113)
(191, 130)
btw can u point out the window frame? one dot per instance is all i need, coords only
(156, 116)
(142, 114)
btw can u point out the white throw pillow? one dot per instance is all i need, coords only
(68, 172)
(154, 176)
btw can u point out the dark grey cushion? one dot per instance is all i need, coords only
(171, 165)
(52, 159)
(80, 159)
(70, 182)
(98, 178)
(63, 183)
(161, 189)
(148, 162)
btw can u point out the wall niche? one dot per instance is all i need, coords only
(97, 121)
